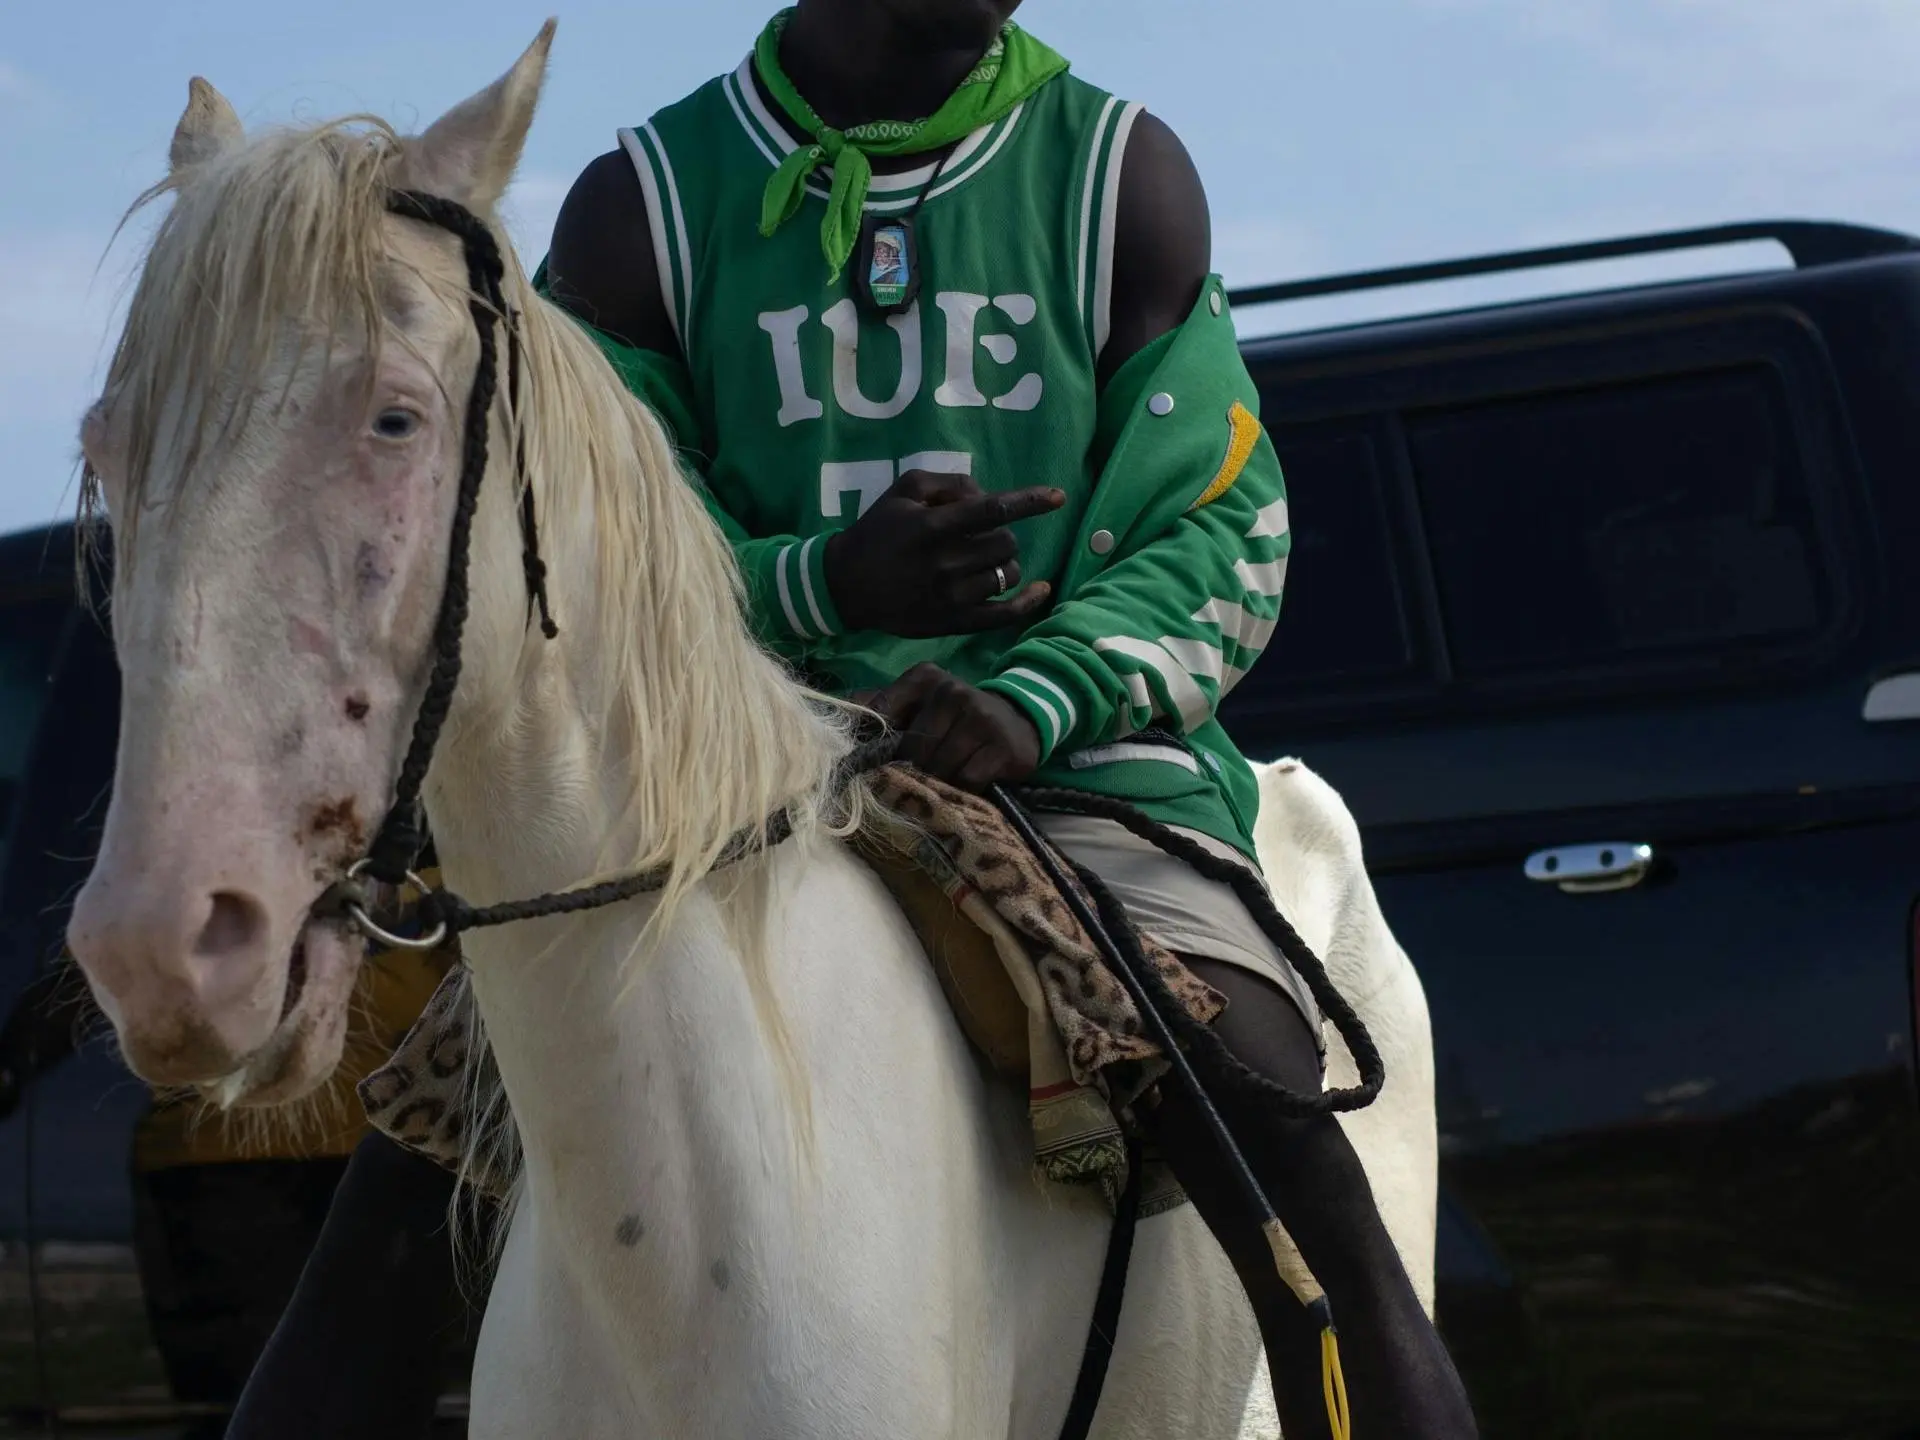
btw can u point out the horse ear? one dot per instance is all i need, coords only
(470, 153)
(207, 126)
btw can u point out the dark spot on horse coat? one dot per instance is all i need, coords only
(357, 707)
(722, 1275)
(629, 1231)
(290, 742)
(370, 571)
(339, 818)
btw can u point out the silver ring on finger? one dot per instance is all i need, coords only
(999, 580)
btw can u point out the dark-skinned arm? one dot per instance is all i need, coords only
(601, 267)
(1162, 243)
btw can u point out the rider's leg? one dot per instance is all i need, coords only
(360, 1349)
(1400, 1379)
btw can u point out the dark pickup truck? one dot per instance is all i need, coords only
(1598, 621)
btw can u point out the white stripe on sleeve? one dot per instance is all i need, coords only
(1039, 703)
(1237, 623)
(786, 592)
(1271, 520)
(1269, 578)
(1034, 677)
(1201, 659)
(1189, 701)
(806, 584)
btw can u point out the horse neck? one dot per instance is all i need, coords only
(530, 794)
(652, 724)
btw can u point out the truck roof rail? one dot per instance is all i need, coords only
(1809, 242)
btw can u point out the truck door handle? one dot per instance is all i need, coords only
(1892, 698)
(1591, 869)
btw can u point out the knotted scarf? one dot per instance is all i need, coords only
(1013, 68)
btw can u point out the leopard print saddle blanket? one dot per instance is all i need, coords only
(1024, 978)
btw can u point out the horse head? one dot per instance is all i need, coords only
(277, 450)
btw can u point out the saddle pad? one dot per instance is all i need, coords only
(1023, 978)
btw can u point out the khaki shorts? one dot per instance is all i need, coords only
(1177, 905)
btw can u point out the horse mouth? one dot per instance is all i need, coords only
(307, 1037)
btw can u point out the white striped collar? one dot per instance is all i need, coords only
(897, 191)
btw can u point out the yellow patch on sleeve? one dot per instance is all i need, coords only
(1243, 433)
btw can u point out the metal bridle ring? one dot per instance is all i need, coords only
(1000, 579)
(374, 931)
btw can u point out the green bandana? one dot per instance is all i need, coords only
(1012, 69)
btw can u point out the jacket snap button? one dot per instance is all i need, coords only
(1100, 542)
(1160, 404)
(1213, 302)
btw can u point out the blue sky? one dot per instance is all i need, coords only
(1330, 136)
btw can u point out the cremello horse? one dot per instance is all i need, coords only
(767, 1189)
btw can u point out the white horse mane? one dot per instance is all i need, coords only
(284, 240)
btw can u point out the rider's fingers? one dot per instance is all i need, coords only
(980, 513)
(928, 487)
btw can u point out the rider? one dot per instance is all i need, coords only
(874, 282)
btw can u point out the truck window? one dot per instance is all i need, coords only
(1609, 527)
(1343, 622)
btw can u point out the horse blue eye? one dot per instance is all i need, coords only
(395, 424)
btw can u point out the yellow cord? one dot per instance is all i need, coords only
(1334, 1384)
(1292, 1268)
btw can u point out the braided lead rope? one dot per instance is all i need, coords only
(1253, 894)
(445, 908)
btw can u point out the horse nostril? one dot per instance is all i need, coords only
(234, 924)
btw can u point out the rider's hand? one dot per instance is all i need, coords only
(957, 733)
(933, 556)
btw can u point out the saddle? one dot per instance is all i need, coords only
(1024, 980)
